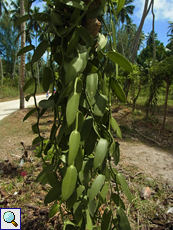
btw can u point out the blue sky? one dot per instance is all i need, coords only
(163, 10)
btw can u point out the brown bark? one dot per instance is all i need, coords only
(1, 71)
(22, 59)
(166, 102)
(154, 45)
(135, 98)
(134, 45)
(93, 24)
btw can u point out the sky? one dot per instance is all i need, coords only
(163, 10)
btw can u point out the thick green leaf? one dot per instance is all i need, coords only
(69, 182)
(106, 220)
(21, 20)
(96, 187)
(54, 209)
(72, 108)
(113, 34)
(115, 152)
(47, 78)
(42, 177)
(84, 174)
(72, 43)
(115, 127)
(100, 105)
(89, 224)
(85, 35)
(29, 114)
(48, 146)
(116, 88)
(27, 5)
(122, 181)
(123, 222)
(18, 36)
(28, 83)
(102, 41)
(46, 103)
(90, 142)
(104, 191)
(78, 85)
(95, 12)
(92, 86)
(117, 200)
(40, 50)
(83, 54)
(92, 207)
(86, 128)
(66, 92)
(36, 140)
(73, 69)
(100, 153)
(28, 97)
(79, 159)
(53, 194)
(25, 50)
(74, 142)
(76, 4)
(53, 132)
(75, 196)
(104, 5)
(120, 60)
(43, 17)
(56, 19)
(120, 5)
(77, 211)
(35, 128)
(28, 66)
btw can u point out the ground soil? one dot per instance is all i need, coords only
(145, 150)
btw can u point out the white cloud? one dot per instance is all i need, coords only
(163, 9)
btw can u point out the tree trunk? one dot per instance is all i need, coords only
(154, 45)
(135, 98)
(1, 71)
(134, 45)
(149, 101)
(22, 58)
(14, 70)
(18, 58)
(166, 102)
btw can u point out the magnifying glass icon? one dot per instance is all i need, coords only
(9, 217)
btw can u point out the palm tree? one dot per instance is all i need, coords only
(170, 31)
(36, 26)
(3, 5)
(22, 58)
(134, 45)
(124, 16)
(15, 15)
(127, 10)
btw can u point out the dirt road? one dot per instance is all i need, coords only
(152, 161)
(6, 108)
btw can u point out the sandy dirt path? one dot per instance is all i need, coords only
(152, 161)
